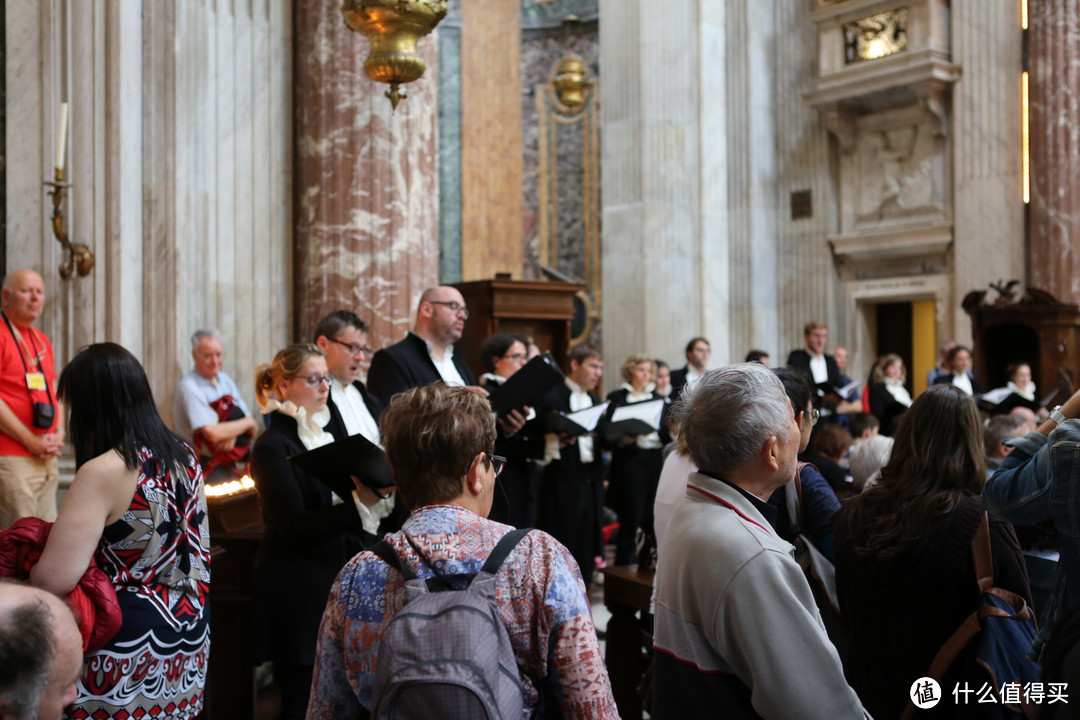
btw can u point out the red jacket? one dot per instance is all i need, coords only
(93, 601)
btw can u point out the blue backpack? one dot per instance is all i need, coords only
(1004, 628)
(447, 654)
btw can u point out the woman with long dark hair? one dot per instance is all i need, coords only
(902, 549)
(137, 501)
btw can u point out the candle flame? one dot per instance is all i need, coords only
(232, 487)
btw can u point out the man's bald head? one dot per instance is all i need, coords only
(40, 654)
(441, 315)
(22, 296)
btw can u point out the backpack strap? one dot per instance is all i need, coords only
(508, 542)
(984, 575)
(388, 555)
(982, 555)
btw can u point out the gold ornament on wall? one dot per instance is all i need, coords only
(393, 28)
(569, 81)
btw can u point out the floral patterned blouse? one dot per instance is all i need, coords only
(538, 590)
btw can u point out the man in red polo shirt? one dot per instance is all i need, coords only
(30, 416)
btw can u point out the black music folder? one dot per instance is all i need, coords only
(336, 463)
(527, 386)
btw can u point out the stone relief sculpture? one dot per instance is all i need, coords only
(896, 174)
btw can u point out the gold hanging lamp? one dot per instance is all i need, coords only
(393, 28)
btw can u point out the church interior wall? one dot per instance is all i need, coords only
(180, 164)
(183, 151)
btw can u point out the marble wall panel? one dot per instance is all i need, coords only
(1053, 52)
(539, 13)
(541, 51)
(491, 163)
(450, 148)
(366, 186)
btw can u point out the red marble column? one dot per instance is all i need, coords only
(1054, 82)
(365, 179)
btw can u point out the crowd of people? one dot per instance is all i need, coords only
(787, 511)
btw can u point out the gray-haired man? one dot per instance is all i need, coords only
(736, 623)
(208, 411)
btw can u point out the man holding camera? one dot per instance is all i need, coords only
(31, 433)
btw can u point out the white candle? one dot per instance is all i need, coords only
(61, 136)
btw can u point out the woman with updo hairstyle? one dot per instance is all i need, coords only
(1020, 381)
(636, 460)
(309, 532)
(909, 537)
(889, 399)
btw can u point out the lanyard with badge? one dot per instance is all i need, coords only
(43, 412)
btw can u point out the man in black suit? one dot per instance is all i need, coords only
(958, 361)
(426, 355)
(697, 356)
(342, 335)
(821, 370)
(572, 486)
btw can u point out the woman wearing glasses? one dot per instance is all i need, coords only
(307, 527)
(503, 355)
(818, 502)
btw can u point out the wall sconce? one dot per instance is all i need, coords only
(393, 28)
(77, 257)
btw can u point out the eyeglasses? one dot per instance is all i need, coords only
(314, 380)
(498, 462)
(516, 357)
(815, 415)
(454, 306)
(353, 349)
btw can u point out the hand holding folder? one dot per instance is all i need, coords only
(335, 465)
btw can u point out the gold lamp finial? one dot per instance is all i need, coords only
(393, 28)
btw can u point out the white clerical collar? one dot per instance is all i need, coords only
(574, 387)
(448, 354)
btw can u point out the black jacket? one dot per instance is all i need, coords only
(976, 386)
(800, 360)
(336, 426)
(406, 364)
(306, 541)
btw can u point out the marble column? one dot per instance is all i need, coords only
(366, 183)
(1054, 66)
(989, 211)
(655, 261)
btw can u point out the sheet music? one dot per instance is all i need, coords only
(649, 412)
(589, 417)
